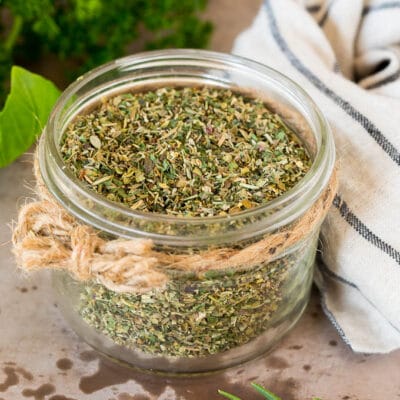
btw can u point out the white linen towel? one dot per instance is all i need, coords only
(346, 55)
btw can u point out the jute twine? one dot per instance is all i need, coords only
(47, 236)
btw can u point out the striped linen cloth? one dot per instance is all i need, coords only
(346, 55)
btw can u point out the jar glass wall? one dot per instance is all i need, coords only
(197, 322)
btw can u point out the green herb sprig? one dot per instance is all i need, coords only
(89, 33)
(260, 389)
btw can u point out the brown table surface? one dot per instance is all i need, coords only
(42, 359)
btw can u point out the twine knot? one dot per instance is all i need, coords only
(47, 236)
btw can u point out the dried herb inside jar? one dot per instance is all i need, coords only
(200, 316)
(190, 152)
(191, 317)
(187, 152)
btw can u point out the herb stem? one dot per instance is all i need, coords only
(228, 395)
(14, 33)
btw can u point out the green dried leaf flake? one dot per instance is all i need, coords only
(192, 316)
(188, 151)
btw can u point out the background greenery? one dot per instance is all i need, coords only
(80, 34)
(86, 33)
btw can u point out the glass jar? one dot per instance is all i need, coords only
(197, 322)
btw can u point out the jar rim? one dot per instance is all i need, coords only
(277, 212)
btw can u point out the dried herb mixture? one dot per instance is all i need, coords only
(191, 317)
(188, 151)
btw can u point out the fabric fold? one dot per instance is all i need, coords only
(329, 48)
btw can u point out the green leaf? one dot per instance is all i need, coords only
(228, 395)
(266, 393)
(25, 113)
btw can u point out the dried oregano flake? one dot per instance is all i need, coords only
(191, 317)
(185, 151)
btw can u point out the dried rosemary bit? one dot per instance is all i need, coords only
(192, 317)
(188, 151)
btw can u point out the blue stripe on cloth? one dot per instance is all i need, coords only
(336, 68)
(368, 125)
(332, 275)
(326, 271)
(385, 81)
(390, 5)
(340, 204)
(332, 318)
(363, 230)
(379, 7)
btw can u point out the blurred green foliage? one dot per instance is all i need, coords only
(91, 32)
